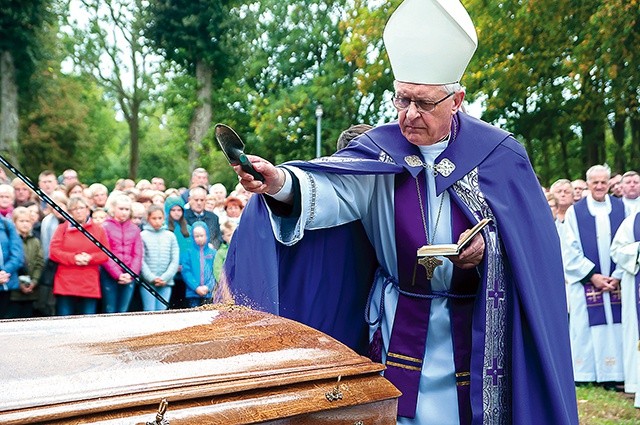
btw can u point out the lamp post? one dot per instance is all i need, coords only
(319, 113)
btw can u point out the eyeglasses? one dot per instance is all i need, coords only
(402, 103)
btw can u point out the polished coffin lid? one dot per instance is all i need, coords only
(75, 366)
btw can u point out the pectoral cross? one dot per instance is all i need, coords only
(429, 264)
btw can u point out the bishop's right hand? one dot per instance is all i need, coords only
(274, 177)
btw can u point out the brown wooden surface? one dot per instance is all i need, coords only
(85, 366)
(370, 399)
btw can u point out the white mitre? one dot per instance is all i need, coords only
(430, 41)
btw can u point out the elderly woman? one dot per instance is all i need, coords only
(76, 284)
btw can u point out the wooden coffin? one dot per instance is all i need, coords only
(215, 366)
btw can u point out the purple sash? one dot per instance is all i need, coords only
(588, 240)
(463, 282)
(411, 322)
(636, 236)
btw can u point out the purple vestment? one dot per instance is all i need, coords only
(589, 243)
(520, 364)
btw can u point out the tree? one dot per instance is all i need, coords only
(562, 76)
(297, 63)
(198, 36)
(21, 23)
(112, 49)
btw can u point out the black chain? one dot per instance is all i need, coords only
(88, 235)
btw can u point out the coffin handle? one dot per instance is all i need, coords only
(335, 394)
(160, 420)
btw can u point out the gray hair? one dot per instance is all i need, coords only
(598, 169)
(559, 183)
(453, 88)
(448, 88)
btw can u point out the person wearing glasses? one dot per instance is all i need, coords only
(479, 337)
(76, 284)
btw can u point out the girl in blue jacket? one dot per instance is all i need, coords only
(197, 269)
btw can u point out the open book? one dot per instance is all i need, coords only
(446, 249)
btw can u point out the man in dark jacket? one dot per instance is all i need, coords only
(196, 212)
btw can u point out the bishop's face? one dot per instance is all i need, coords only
(426, 128)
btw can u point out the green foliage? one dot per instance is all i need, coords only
(296, 63)
(69, 125)
(560, 75)
(21, 25)
(186, 31)
(110, 48)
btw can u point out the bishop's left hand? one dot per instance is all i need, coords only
(472, 255)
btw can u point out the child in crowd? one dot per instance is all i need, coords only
(126, 243)
(197, 270)
(161, 259)
(99, 215)
(174, 212)
(36, 217)
(138, 214)
(21, 305)
(227, 229)
(158, 198)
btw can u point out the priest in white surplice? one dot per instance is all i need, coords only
(624, 251)
(595, 316)
(631, 192)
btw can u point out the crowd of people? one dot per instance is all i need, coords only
(596, 220)
(174, 239)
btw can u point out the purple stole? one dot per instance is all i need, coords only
(411, 322)
(588, 240)
(636, 236)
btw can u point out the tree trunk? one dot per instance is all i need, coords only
(8, 108)
(134, 138)
(635, 139)
(564, 150)
(202, 115)
(618, 136)
(592, 141)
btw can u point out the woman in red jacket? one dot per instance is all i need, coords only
(76, 284)
(126, 243)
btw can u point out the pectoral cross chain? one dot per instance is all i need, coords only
(429, 264)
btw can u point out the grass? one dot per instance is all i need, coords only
(597, 406)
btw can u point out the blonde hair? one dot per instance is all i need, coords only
(20, 212)
(229, 225)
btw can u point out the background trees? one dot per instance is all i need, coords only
(151, 77)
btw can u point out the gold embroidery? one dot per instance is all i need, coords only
(593, 294)
(400, 356)
(402, 366)
(459, 374)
